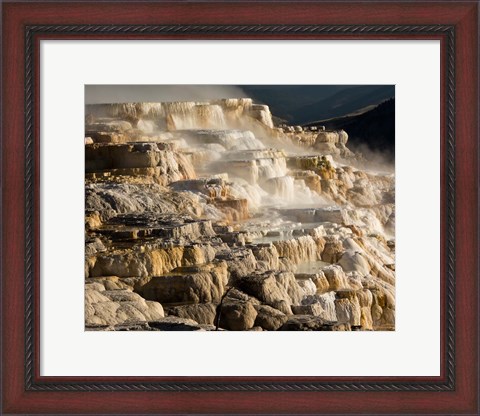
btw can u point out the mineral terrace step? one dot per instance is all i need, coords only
(133, 226)
(310, 215)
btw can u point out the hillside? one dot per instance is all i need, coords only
(300, 104)
(374, 128)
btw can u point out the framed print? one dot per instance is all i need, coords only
(240, 207)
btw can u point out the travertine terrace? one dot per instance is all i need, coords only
(207, 216)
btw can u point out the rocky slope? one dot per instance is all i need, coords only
(204, 216)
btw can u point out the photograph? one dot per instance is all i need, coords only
(240, 207)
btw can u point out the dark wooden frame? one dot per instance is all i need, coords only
(25, 24)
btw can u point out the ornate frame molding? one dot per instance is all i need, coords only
(31, 31)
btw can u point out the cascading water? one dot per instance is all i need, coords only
(271, 168)
(281, 187)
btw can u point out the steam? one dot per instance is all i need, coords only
(374, 160)
(99, 94)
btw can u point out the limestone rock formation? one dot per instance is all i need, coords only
(202, 313)
(206, 216)
(237, 315)
(111, 307)
(269, 318)
(188, 285)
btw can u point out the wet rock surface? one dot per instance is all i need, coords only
(205, 216)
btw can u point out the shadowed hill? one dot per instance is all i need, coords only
(300, 104)
(374, 128)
